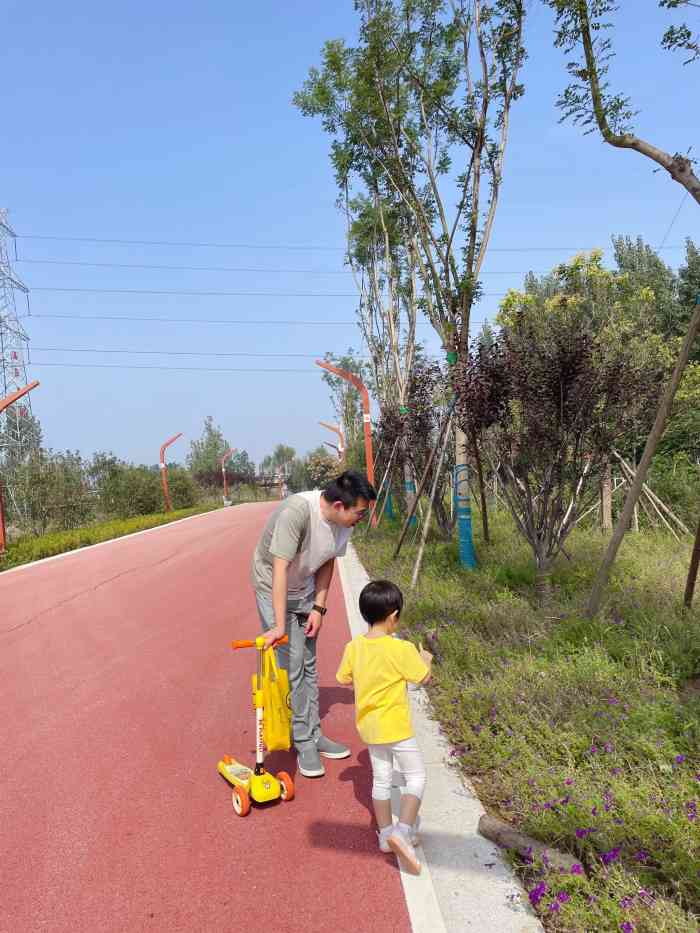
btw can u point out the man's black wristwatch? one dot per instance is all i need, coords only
(320, 609)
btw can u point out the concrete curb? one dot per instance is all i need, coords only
(465, 883)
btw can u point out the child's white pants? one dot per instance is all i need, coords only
(409, 762)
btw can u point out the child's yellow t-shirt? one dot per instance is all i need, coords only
(379, 668)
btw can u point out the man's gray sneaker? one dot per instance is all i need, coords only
(330, 749)
(309, 762)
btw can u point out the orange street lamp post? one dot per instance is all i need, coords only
(164, 471)
(335, 428)
(364, 395)
(5, 403)
(223, 460)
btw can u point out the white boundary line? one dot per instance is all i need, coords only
(90, 547)
(465, 884)
(419, 891)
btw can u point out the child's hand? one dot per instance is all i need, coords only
(425, 655)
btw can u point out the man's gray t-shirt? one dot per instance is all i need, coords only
(297, 532)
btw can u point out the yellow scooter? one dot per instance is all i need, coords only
(255, 784)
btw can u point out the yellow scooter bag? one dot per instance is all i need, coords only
(277, 723)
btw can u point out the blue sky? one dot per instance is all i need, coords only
(173, 123)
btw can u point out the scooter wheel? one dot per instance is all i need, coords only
(286, 786)
(241, 801)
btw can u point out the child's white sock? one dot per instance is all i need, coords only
(385, 832)
(405, 829)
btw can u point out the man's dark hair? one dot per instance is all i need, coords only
(379, 599)
(348, 488)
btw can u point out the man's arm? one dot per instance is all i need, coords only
(280, 569)
(323, 578)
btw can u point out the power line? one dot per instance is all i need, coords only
(675, 218)
(177, 320)
(288, 246)
(139, 265)
(189, 369)
(174, 352)
(151, 291)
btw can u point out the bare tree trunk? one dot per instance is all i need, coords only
(543, 581)
(482, 490)
(426, 521)
(638, 481)
(606, 523)
(409, 485)
(692, 571)
(467, 557)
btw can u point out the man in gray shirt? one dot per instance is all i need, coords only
(292, 571)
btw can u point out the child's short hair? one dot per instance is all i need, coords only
(379, 599)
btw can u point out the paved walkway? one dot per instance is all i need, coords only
(120, 693)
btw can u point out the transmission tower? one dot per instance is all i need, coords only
(16, 423)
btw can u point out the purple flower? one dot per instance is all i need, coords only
(594, 749)
(626, 902)
(610, 856)
(576, 869)
(531, 782)
(613, 701)
(641, 855)
(537, 893)
(563, 897)
(565, 800)
(608, 747)
(582, 832)
(697, 777)
(476, 728)
(570, 781)
(594, 811)
(616, 771)
(626, 927)
(618, 822)
(691, 810)
(554, 907)
(680, 759)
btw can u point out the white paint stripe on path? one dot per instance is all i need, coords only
(465, 883)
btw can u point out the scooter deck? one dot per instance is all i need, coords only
(235, 772)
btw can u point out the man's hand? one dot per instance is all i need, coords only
(273, 636)
(313, 624)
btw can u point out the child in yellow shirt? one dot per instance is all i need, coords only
(380, 667)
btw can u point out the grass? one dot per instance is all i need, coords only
(30, 548)
(585, 735)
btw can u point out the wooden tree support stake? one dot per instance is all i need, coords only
(507, 837)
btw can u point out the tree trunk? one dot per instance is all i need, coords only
(482, 491)
(606, 523)
(467, 557)
(409, 485)
(692, 571)
(543, 583)
(638, 482)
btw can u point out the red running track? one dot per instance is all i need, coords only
(119, 694)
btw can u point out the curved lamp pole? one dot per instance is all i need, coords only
(364, 395)
(223, 460)
(5, 403)
(164, 471)
(335, 428)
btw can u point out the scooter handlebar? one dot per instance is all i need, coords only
(246, 643)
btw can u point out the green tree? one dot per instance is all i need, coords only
(204, 458)
(423, 105)
(321, 467)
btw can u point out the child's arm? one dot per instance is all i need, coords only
(427, 658)
(344, 673)
(416, 663)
